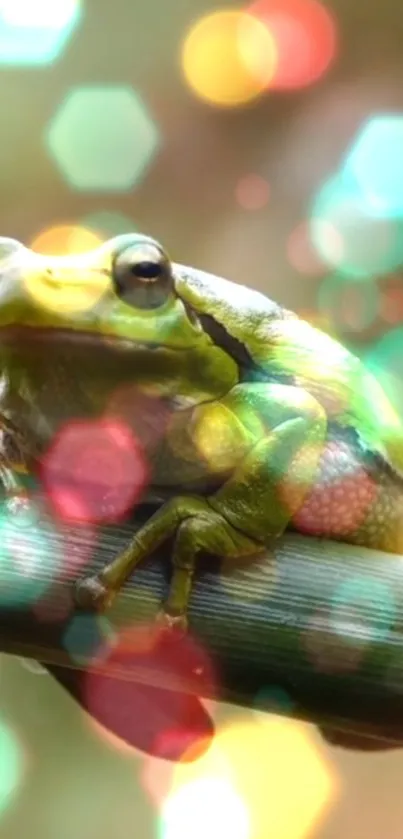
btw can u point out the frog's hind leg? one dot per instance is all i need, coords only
(246, 514)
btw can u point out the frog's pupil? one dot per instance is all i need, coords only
(146, 270)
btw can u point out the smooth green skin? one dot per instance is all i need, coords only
(261, 440)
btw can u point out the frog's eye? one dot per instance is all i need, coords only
(142, 276)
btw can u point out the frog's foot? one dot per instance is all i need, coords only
(177, 623)
(18, 504)
(93, 594)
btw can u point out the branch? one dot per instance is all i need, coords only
(314, 632)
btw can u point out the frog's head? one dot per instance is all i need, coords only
(123, 291)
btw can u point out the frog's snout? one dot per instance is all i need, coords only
(9, 248)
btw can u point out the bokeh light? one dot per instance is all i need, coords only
(107, 224)
(167, 722)
(363, 608)
(267, 764)
(228, 58)
(147, 415)
(273, 699)
(40, 13)
(35, 33)
(384, 360)
(327, 655)
(77, 543)
(347, 233)
(53, 607)
(252, 192)
(348, 303)
(102, 138)
(63, 239)
(390, 307)
(156, 779)
(339, 501)
(301, 253)
(88, 638)
(305, 35)
(94, 471)
(214, 440)
(361, 615)
(12, 766)
(205, 807)
(375, 161)
(24, 545)
(63, 275)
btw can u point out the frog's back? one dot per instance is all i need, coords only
(285, 347)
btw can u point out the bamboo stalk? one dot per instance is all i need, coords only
(314, 631)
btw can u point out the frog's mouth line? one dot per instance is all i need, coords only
(57, 336)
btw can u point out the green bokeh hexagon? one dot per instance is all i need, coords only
(103, 138)
(36, 34)
(375, 160)
(348, 233)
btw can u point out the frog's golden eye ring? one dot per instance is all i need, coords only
(142, 276)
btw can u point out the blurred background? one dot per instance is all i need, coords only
(263, 143)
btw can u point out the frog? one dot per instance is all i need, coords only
(273, 424)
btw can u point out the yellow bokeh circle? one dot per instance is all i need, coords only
(63, 239)
(63, 274)
(272, 765)
(229, 58)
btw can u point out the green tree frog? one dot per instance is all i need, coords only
(272, 423)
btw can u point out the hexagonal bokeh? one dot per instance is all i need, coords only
(247, 758)
(36, 33)
(349, 233)
(103, 138)
(106, 224)
(85, 637)
(375, 161)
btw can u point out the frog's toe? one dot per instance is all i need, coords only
(173, 623)
(92, 593)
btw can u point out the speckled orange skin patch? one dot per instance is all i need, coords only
(353, 501)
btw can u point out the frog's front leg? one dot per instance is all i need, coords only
(274, 435)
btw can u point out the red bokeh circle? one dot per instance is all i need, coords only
(305, 34)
